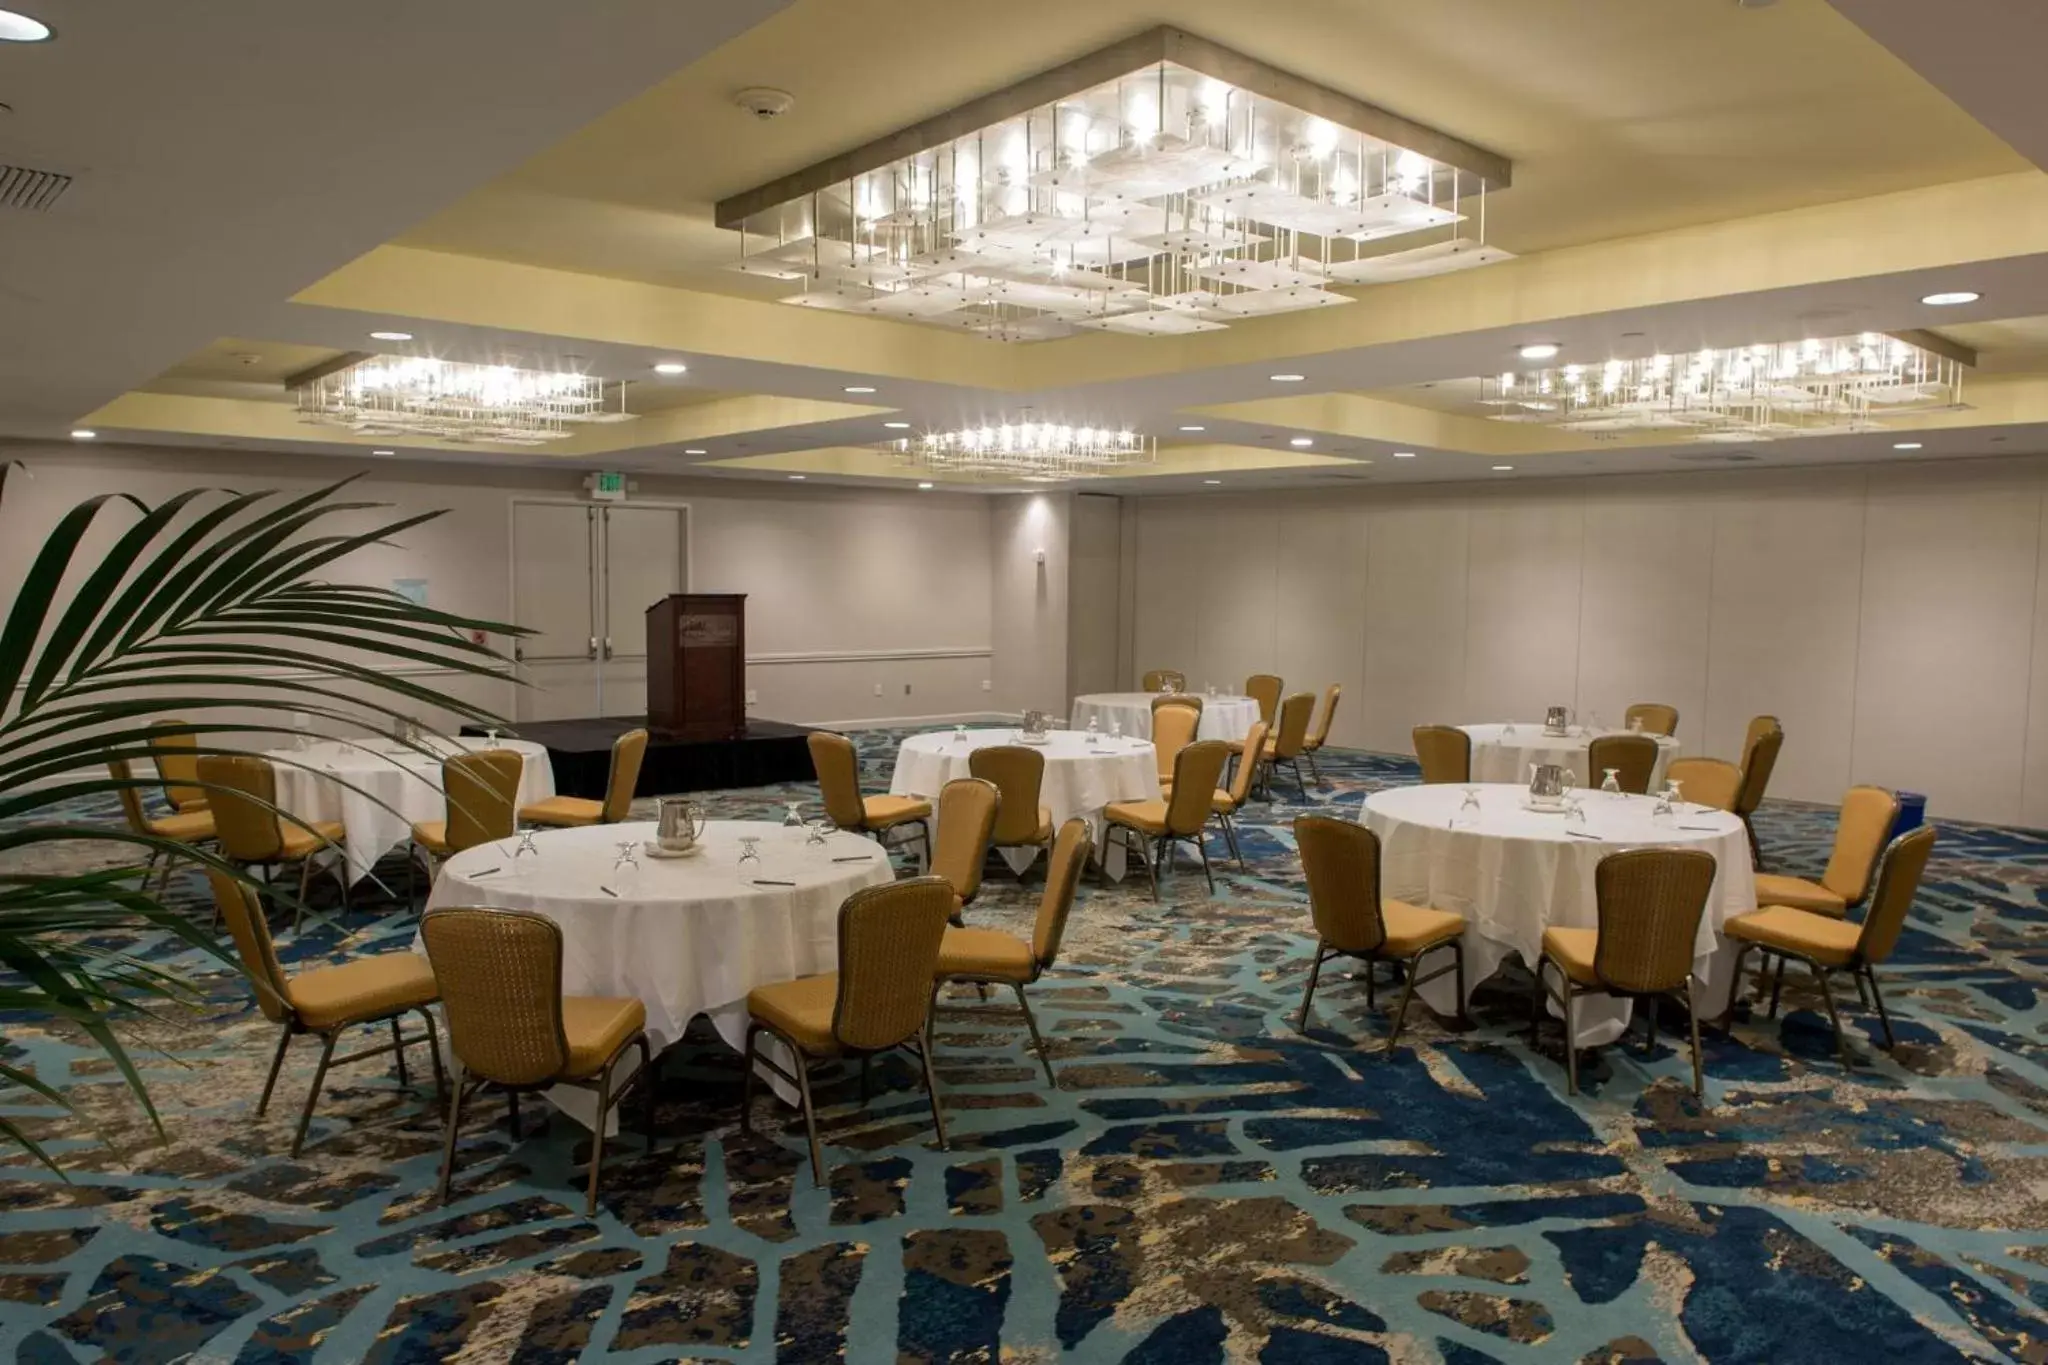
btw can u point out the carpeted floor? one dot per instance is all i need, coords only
(1205, 1185)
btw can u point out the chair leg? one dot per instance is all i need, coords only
(434, 1053)
(1877, 998)
(1862, 999)
(1202, 847)
(1044, 1057)
(1458, 954)
(1827, 994)
(313, 1095)
(1315, 970)
(1734, 989)
(305, 878)
(455, 1096)
(1230, 840)
(865, 1058)
(398, 1051)
(148, 871)
(1571, 1037)
(1317, 773)
(1777, 986)
(1299, 785)
(931, 1082)
(164, 876)
(1536, 998)
(747, 1081)
(284, 1040)
(803, 1091)
(647, 1086)
(1401, 1011)
(604, 1113)
(1692, 1017)
(1756, 852)
(1152, 871)
(512, 1113)
(1649, 1005)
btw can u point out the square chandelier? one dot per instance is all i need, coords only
(448, 400)
(1162, 186)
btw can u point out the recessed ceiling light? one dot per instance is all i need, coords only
(383, 452)
(83, 435)
(1288, 378)
(19, 28)
(1502, 468)
(1952, 297)
(897, 426)
(1194, 428)
(1404, 454)
(1301, 442)
(1540, 350)
(860, 388)
(695, 451)
(925, 486)
(671, 367)
(798, 477)
(1212, 482)
(391, 336)
(1905, 445)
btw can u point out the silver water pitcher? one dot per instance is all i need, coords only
(1548, 783)
(681, 825)
(1558, 720)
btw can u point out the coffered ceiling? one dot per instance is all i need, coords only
(1687, 174)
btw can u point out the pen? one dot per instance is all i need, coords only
(763, 881)
(609, 892)
(486, 872)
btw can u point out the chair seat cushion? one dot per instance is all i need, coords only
(1830, 942)
(1414, 928)
(367, 988)
(297, 843)
(187, 826)
(1043, 835)
(432, 835)
(886, 812)
(1147, 817)
(1573, 950)
(185, 804)
(800, 1010)
(985, 953)
(1800, 894)
(563, 812)
(597, 1026)
(1223, 803)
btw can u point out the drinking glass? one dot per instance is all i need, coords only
(818, 831)
(1662, 812)
(1116, 728)
(793, 815)
(527, 847)
(1211, 689)
(1468, 810)
(960, 734)
(1612, 786)
(1574, 809)
(1508, 731)
(1094, 732)
(1677, 795)
(626, 866)
(1635, 725)
(750, 851)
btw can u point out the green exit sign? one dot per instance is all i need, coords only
(607, 485)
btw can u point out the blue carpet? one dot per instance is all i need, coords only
(1204, 1185)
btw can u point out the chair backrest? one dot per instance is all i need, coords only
(1760, 756)
(1331, 694)
(241, 790)
(1156, 679)
(1248, 766)
(1759, 726)
(967, 819)
(131, 797)
(1173, 729)
(838, 768)
(1187, 699)
(628, 752)
(1657, 718)
(1707, 781)
(1445, 753)
(889, 940)
(1650, 901)
(1290, 736)
(500, 974)
(1070, 851)
(482, 791)
(1898, 880)
(1860, 835)
(243, 912)
(1017, 772)
(1196, 771)
(1341, 861)
(1264, 688)
(176, 756)
(1633, 758)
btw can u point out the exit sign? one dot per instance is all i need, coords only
(607, 485)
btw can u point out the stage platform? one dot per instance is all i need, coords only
(581, 752)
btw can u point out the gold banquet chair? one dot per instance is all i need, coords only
(1860, 834)
(1287, 740)
(1229, 800)
(1152, 830)
(991, 957)
(1827, 945)
(1159, 679)
(1017, 771)
(880, 998)
(175, 751)
(1707, 781)
(242, 794)
(481, 791)
(509, 1024)
(1265, 688)
(1313, 745)
(1657, 718)
(1633, 758)
(1174, 726)
(1191, 700)
(968, 810)
(1650, 901)
(1759, 760)
(188, 827)
(838, 769)
(1341, 861)
(1445, 753)
(325, 1001)
(576, 812)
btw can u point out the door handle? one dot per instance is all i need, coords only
(518, 653)
(593, 646)
(607, 646)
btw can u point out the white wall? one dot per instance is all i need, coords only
(1094, 621)
(1891, 617)
(1028, 599)
(847, 590)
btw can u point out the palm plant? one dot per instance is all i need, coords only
(194, 596)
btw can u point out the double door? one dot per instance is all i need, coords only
(583, 576)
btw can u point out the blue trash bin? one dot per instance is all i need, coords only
(1912, 813)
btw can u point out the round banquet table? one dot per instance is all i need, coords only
(1513, 873)
(687, 936)
(1224, 718)
(379, 788)
(1080, 778)
(1503, 753)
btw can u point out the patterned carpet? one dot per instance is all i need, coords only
(1205, 1185)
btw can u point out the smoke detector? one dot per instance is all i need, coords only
(765, 102)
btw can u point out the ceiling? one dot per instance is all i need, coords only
(1686, 174)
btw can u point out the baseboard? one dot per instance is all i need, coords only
(901, 722)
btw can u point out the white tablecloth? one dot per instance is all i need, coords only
(1513, 873)
(1080, 778)
(1225, 718)
(1501, 756)
(686, 936)
(405, 781)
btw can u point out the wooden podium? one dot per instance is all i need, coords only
(697, 665)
